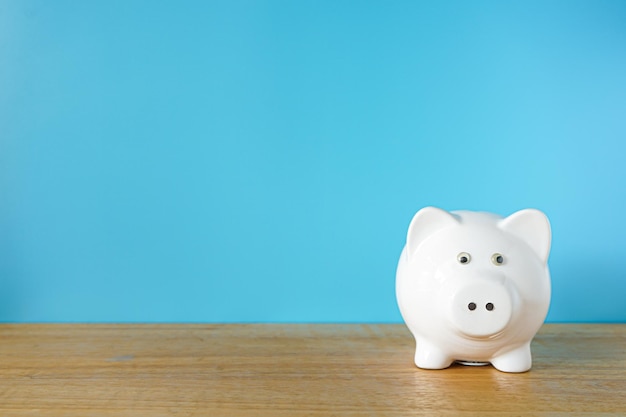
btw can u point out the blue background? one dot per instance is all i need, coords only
(261, 160)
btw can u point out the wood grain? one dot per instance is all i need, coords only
(295, 370)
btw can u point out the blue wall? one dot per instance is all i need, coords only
(261, 160)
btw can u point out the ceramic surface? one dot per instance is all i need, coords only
(474, 287)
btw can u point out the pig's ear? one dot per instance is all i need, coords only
(426, 222)
(533, 227)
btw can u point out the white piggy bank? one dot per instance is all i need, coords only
(474, 287)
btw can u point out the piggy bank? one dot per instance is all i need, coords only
(474, 287)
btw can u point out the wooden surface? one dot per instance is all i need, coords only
(295, 370)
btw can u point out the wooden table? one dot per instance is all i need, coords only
(295, 370)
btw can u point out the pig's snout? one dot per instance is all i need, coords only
(481, 309)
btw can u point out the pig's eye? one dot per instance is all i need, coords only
(497, 259)
(463, 258)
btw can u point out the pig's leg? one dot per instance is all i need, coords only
(516, 360)
(429, 356)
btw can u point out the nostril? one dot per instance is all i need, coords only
(489, 307)
(471, 306)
